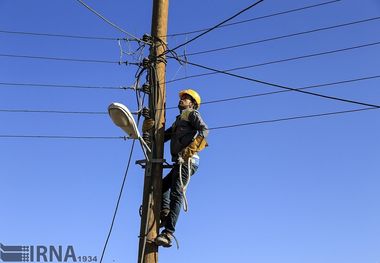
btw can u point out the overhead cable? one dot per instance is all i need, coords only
(118, 201)
(281, 37)
(59, 35)
(53, 111)
(282, 86)
(108, 21)
(68, 59)
(218, 25)
(298, 117)
(203, 103)
(276, 61)
(283, 91)
(291, 118)
(63, 137)
(256, 18)
(44, 85)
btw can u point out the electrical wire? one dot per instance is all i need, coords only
(218, 25)
(108, 21)
(118, 201)
(284, 87)
(213, 128)
(59, 35)
(256, 18)
(291, 118)
(67, 59)
(44, 85)
(276, 61)
(63, 137)
(282, 37)
(53, 111)
(203, 103)
(283, 91)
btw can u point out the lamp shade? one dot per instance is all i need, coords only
(123, 118)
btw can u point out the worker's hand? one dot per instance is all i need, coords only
(147, 125)
(197, 145)
(187, 153)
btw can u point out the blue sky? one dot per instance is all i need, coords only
(297, 191)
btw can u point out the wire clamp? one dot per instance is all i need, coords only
(146, 62)
(147, 39)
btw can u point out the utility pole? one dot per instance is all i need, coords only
(150, 219)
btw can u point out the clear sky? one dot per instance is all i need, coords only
(304, 190)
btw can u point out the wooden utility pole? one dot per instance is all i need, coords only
(150, 219)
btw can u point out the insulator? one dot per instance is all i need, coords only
(146, 62)
(147, 38)
(141, 210)
(147, 139)
(146, 88)
(146, 112)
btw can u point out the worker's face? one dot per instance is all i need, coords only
(185, 102)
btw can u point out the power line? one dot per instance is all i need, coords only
(53, 111)
(218, 25)
(275, 61)
(108, 21)
(63, 137)
(213, 128)
(170, 35)
(44, 85)
(257, 18)
(281, 86)
(60, 35)
(283, 91)
(291, 118)
(118, 201)
(282, 37)
(68, 59)
(203, 103)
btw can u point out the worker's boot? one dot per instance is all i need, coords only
(164, 216)
(164, 239)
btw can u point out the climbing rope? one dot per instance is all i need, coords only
(181, 161)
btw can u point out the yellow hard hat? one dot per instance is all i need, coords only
(193, 94)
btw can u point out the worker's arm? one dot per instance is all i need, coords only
(149, 124)
(198, 123)
(199, 142)
(168, 134)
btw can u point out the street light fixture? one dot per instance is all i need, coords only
(122, 117)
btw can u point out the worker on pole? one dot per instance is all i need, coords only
(188, 136)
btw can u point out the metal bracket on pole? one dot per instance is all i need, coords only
(165, 164)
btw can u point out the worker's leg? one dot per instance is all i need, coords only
(165, 238)
(166, 184)
(176, 195)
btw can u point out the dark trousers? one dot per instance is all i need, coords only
(172, 193)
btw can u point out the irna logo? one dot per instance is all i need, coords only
(42, 254)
